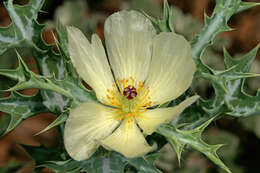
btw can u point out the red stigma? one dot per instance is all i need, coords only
(130, 92)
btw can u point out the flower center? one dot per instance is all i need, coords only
(129, 98)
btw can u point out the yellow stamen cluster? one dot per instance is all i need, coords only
(128, 108)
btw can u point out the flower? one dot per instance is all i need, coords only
(148, 70)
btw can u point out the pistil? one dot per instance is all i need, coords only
(130, 92)
(127, 99)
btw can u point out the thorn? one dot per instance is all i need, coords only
(42, 11)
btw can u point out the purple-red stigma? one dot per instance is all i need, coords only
(130, 92)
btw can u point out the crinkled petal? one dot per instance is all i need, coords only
(128, 36)
(172, 67)
(127, 140)
(86, 126)
(151, 119)
(89, 59)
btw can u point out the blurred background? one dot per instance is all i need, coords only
(241, 136)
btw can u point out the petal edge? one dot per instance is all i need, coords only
(172, 67)
(89, 60)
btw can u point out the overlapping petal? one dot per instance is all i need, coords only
(89, 59)
(128, 140)
(172, 67)
(151, 119)
(128, 36)
(86, 126)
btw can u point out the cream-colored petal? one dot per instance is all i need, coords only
(151, 119)
(89, 59)
(127, 140)
(128, 36)
(172, 67)
(86, 126)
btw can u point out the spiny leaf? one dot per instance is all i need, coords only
(178, 148)
(243, 64)
(27, 33)
(20, 107)
(96, 164)
(59, 120)
(55, 69)
(164, 24)
(193, 139)
(240, 103)
(228, 84)
(110, 164)
(225, 83)
(14, 74)
(73, 90)
(246, 5)
(145, 164)
(36, 81)
(213, 25)
(102, 163)
(24, 31)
